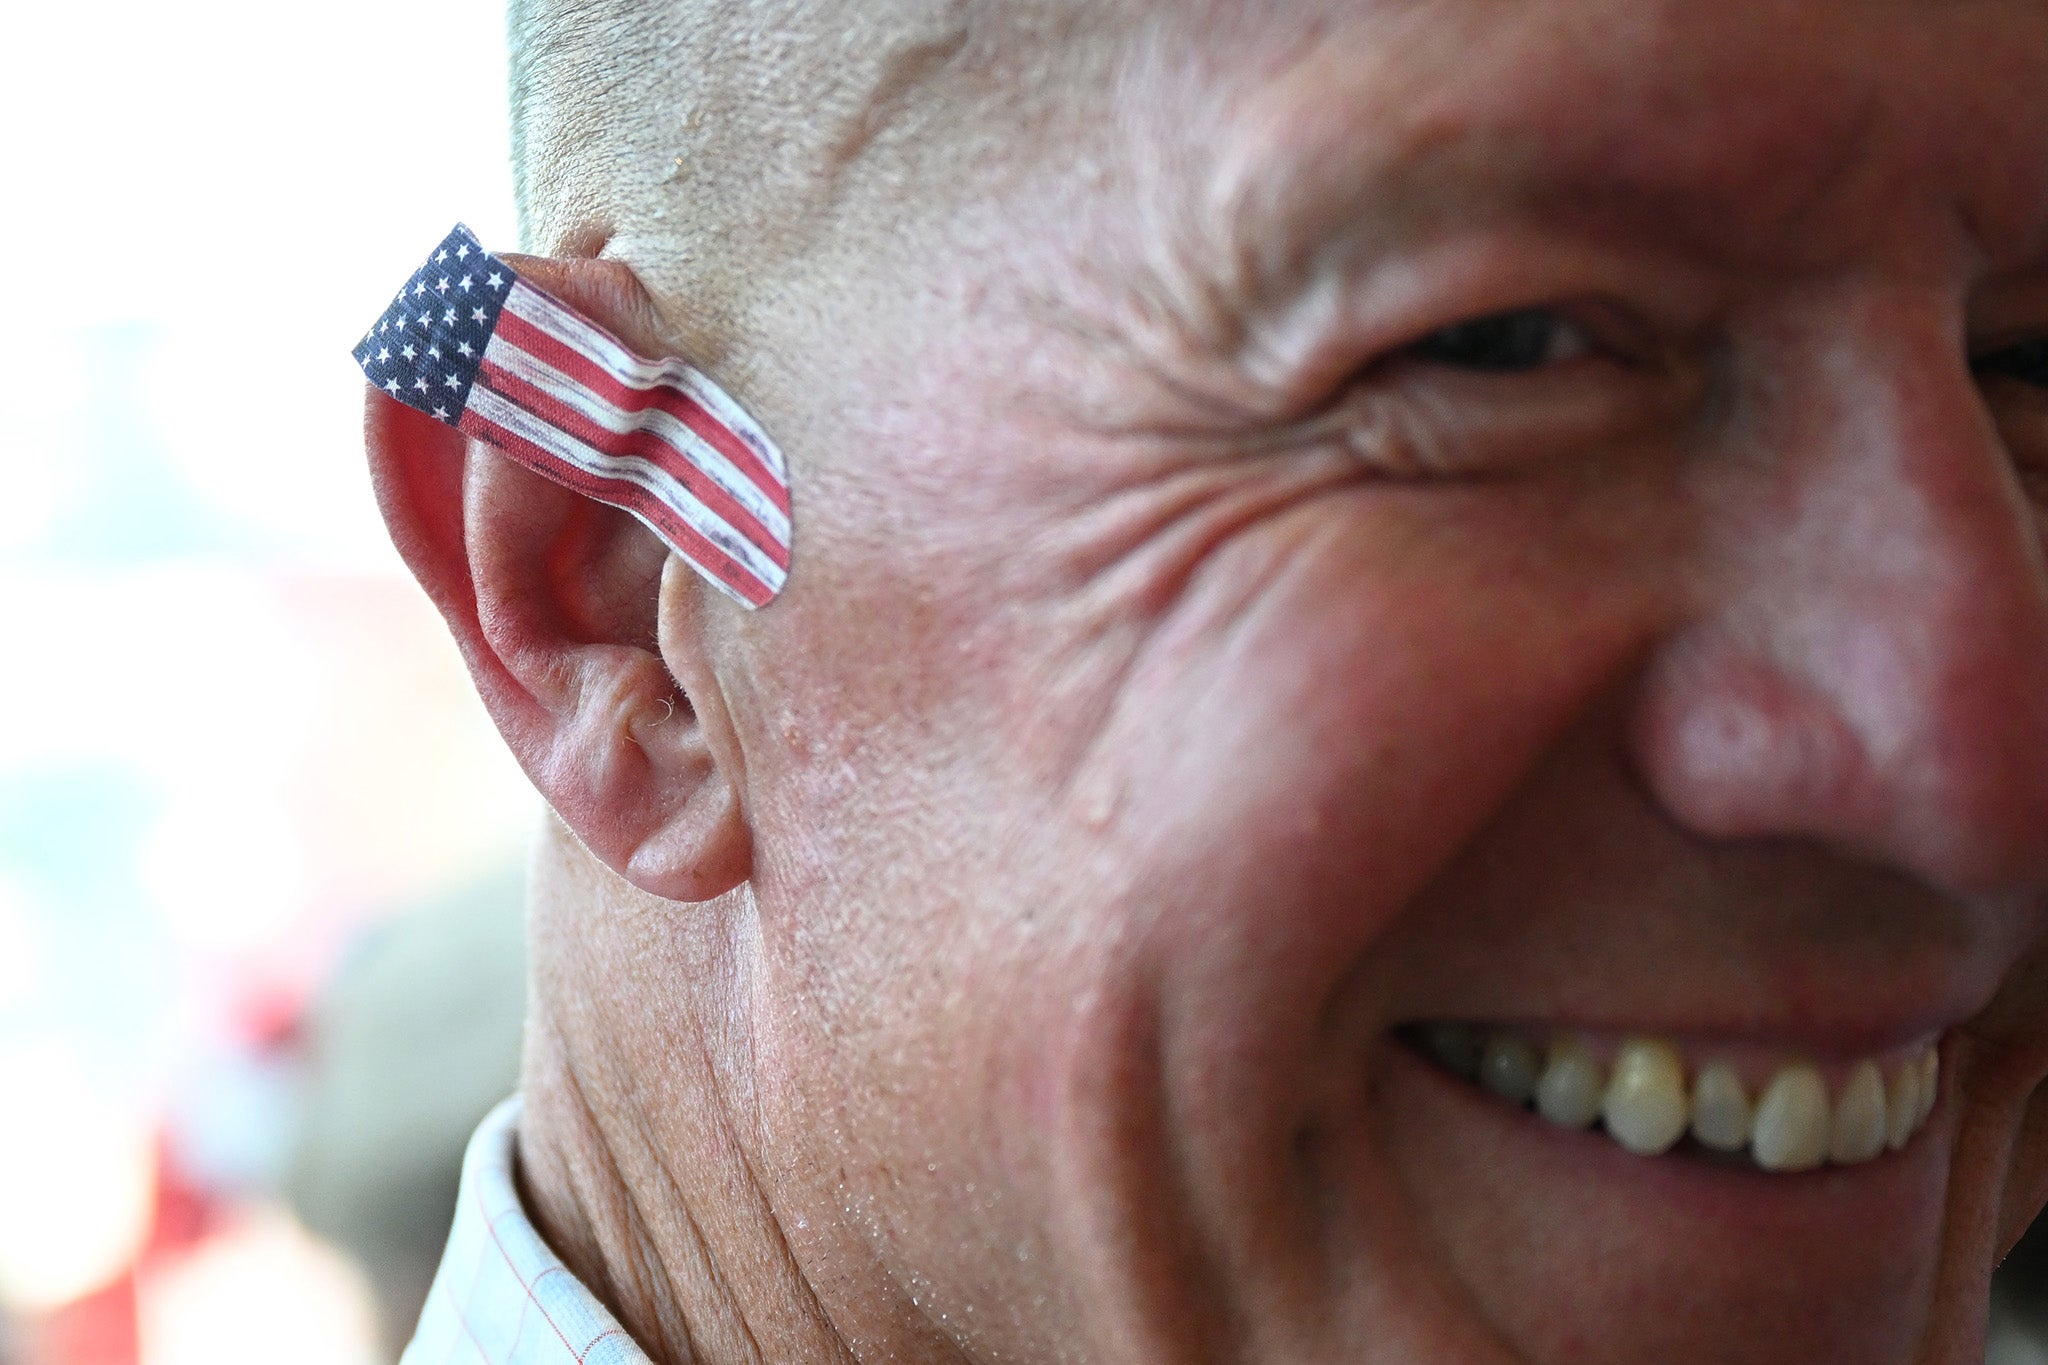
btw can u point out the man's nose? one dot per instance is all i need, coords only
(1865, 656)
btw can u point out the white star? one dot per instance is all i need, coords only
(420, 384)
(496, 280)
(420, 287)
(462, 252)
(408, 353)
(443, 284)
(448, 316)
(476, 315)
(434, 352)
(383, 327)
(440, 412)
(464, 347)
(443, 255)
(452, 382)
(384, 355)
(391, 386)
(466, 282)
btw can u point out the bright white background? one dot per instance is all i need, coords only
(231, 733)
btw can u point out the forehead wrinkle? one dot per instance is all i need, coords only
(1390, 131)
(1290, 205)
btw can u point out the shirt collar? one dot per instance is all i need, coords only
(501, 1296)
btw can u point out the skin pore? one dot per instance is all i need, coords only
(1312, 519)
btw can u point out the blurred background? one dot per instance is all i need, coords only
(259, 851)
(260, 964)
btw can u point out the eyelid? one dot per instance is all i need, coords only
(1609, 331)
(1564, 341)
(2019, 346)
(1434, 422)
(1648, 312)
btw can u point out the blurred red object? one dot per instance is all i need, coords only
(99, 1329)
(103, 1327)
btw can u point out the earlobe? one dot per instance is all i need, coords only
(637, 762)
(705, 846)
(556, 602)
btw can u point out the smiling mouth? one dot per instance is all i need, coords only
(1785, 1114)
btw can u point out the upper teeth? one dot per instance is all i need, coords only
(1646, 1102)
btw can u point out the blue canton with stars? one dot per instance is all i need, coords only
(426, 349)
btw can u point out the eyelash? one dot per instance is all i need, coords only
(1517, 342)
(1528, 339)
(2026, 362)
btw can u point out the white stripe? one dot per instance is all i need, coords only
(529, 303)
(687, 443)
(501, 411)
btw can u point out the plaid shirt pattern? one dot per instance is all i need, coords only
(501, 1297)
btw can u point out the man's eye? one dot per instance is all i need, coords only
(2026, 362)
(1504, 343)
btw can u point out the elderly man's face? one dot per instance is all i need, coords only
(1524, 517)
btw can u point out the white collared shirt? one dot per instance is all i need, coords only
(501, 1296)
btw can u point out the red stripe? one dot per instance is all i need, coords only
(538, 341)
(629, 496)
(491, 1226)
(647, 445)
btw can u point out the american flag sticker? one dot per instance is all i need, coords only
(470, 343)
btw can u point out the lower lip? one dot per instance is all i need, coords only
(1895, 1196)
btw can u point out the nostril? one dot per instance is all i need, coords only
(1938, 767)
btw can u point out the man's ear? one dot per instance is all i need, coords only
(556, 602)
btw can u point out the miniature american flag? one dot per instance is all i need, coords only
(470, 343)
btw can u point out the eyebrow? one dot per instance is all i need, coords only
(1290, 211)
(1793, 178)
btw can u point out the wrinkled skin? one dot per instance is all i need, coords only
(1186, 679)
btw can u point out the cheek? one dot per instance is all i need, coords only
(1045, 925)
(1331, 715)
(1327, 717)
